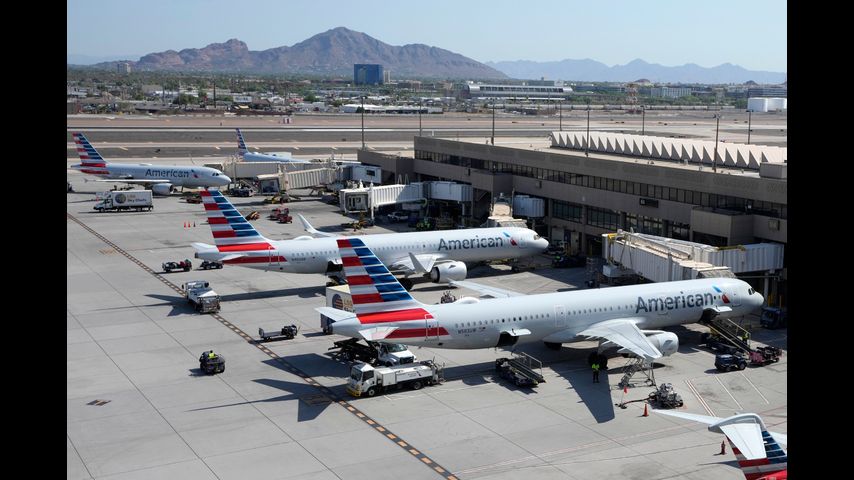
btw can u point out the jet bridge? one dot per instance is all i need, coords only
(662, 259)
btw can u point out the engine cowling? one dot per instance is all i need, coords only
(445, 272)
(666, 342)
(162, 188)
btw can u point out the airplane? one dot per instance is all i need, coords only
(628, 316)
(248, 156)
(759, 452)
(162, 178)
(439, 254)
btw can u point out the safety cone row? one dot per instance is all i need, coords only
(187, 224)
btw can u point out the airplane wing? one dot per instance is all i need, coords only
(486, 290)
(780, 437)
(626, 334)
(308, 228)
(421, 263)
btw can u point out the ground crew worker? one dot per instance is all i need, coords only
(595, 367)
(723, 447)
(211, 355)
(745, 336)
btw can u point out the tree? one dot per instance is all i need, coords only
(310, 98)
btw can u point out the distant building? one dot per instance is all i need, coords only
(768, 91)
(531, 92)
(413, 84)
(670, 92)
(123, 68)
(386, 76)
(762, 104)
(367, 74)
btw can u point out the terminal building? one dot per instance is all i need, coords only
(652, 185)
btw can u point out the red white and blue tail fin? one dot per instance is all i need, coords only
(757, 450)
(241, 145)
(231, 231)
(89, 157)
(373, 288)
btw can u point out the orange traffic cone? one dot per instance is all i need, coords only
(625, 389)
(194, 224)
(185, 224)
(645, 410)
(723, 447)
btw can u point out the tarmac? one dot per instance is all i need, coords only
(138, 406)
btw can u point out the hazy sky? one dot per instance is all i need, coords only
(750, 33)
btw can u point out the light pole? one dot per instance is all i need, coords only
(643, 120)
(748, 126)
(419, 119)
(715, 155)
(560, 113)
(363, 122)
(493, 121)
(587, 146)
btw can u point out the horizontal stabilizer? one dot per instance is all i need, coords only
(376, 333)
(335, 314)
(211, 252)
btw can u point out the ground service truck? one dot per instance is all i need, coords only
(203, 297)
(125, 200)
(367, 380)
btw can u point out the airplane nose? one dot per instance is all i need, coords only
(224, 179)
(760, 300)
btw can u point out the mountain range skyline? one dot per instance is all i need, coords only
(335, 51)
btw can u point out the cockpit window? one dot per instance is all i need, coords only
(750, 291)
(537, 237)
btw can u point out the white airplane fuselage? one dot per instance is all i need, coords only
(175, 175)
(471, 323)
(313, 255)
(269, 157)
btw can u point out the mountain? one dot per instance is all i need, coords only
(330, 53)
(593, 71)
(75, 59)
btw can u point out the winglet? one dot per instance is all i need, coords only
(419, 267)
(308, 228)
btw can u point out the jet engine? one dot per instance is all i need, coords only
(445, 272)
(162, 188)
(666, 342)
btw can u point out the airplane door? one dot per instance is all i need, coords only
(431, 330)
(560, 316)
(273, 259)
(733, 297)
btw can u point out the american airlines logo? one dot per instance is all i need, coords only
(166, 173)
(469, 243)
(674, 302)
